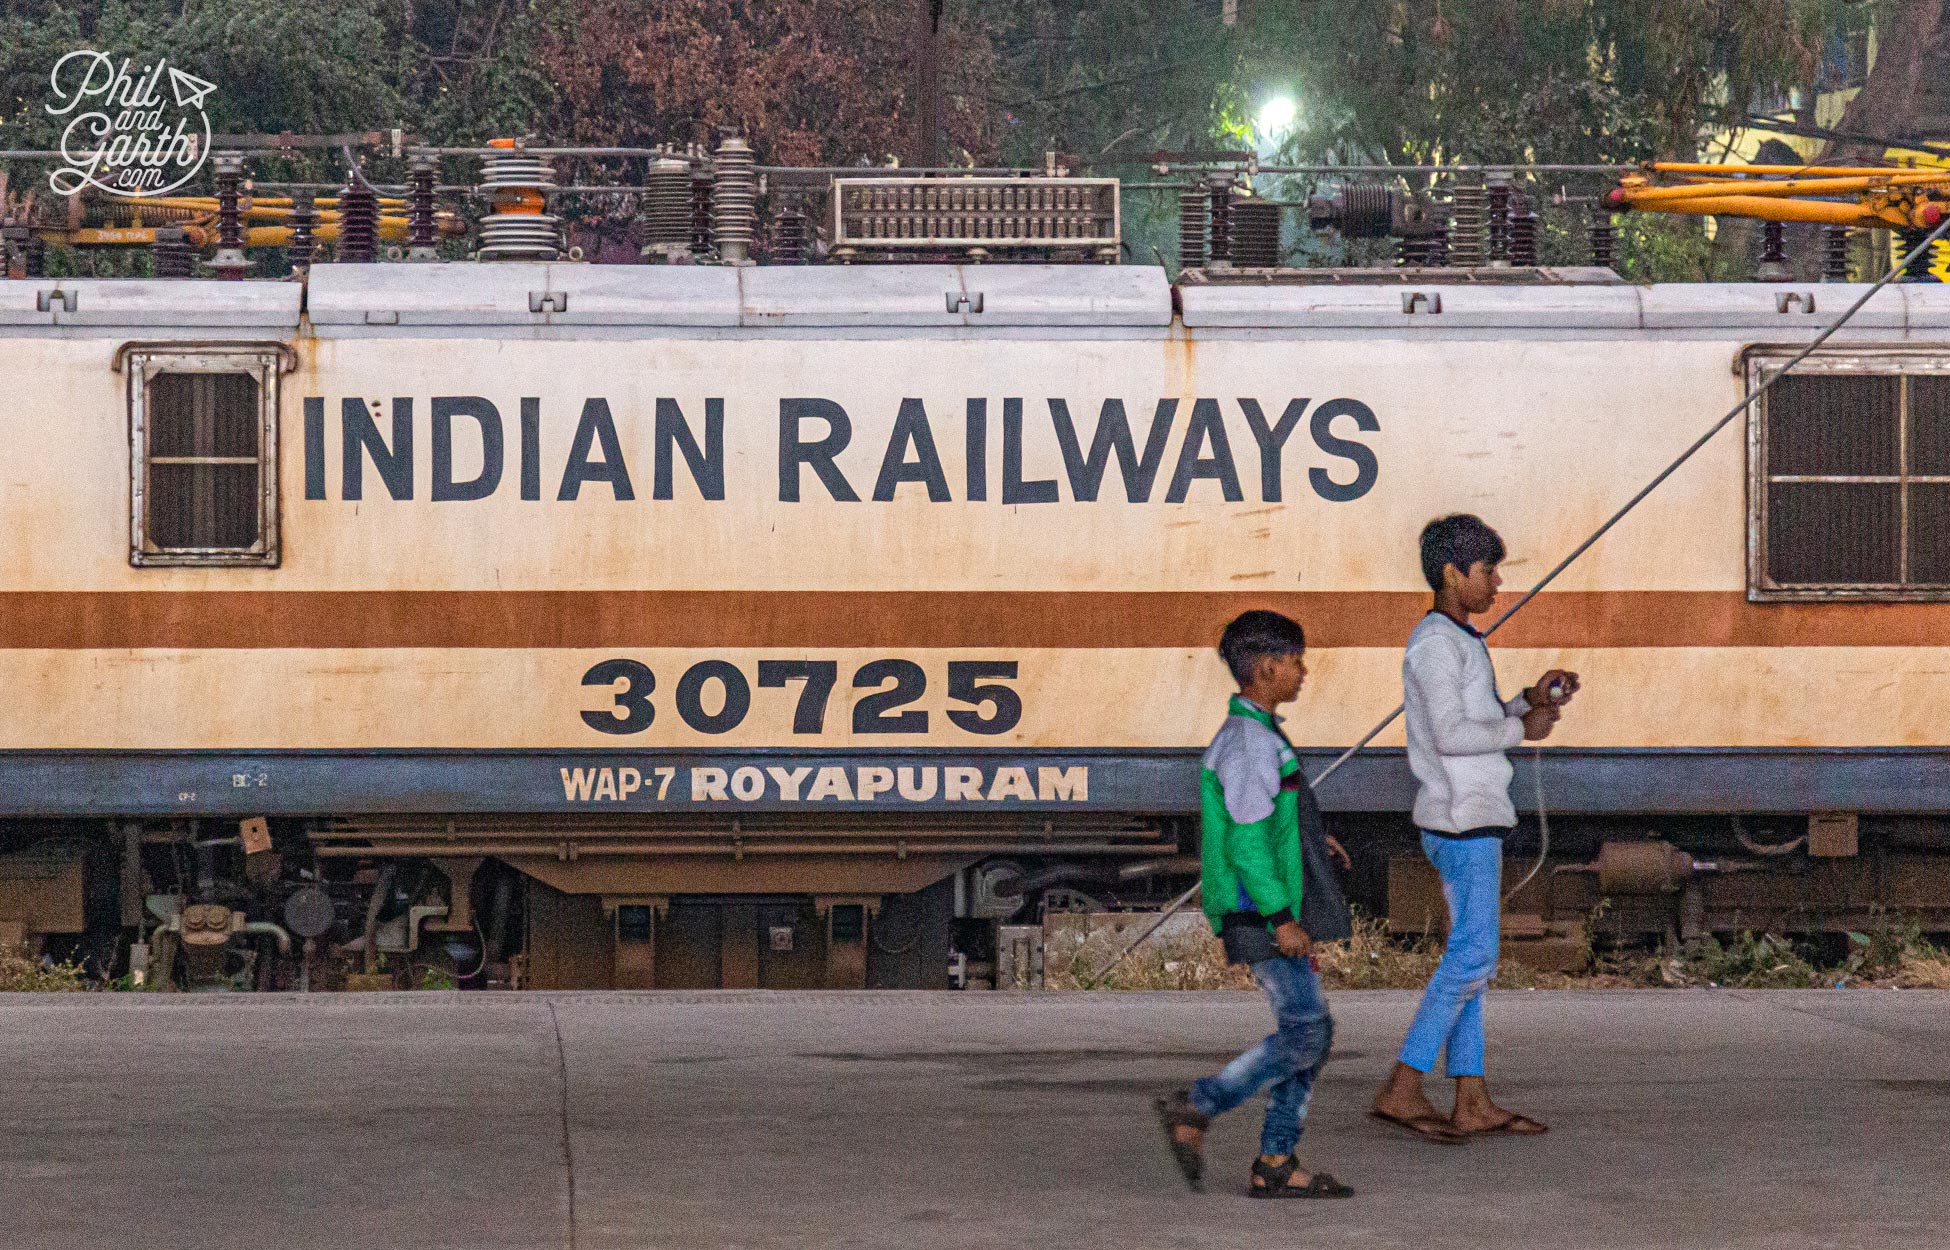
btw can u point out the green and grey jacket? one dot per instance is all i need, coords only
(1250, 851)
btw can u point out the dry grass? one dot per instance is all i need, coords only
(1893, 954)
(1921, 971)
(21, 973)
(1184, 960)
(1194, 960)
(1890, 954)
(1372, 960)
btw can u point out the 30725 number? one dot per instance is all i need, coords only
(888, 688)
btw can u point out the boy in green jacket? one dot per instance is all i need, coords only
(1251, 790)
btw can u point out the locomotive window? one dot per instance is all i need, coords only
(203, 477)
(1851, 481)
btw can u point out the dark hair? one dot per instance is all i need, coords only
(1255, 636)
(1459, 539)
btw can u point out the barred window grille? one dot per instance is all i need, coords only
(203, 485)
(1851, 481)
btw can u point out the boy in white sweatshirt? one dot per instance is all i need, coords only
(1459, 729)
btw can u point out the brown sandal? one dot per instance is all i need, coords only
(1430, 1128)
(1512, 1125)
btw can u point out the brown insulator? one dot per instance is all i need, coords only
(1193, 209)
(304, 219)
(358, 223)
(1604, 240)
(230, 226)
(421, 236)
(789, 231)
(1255, 234)
(1435, 249)
(1524, 227)
(171, 255)
(1412, 251)
(1468, 224)
(1218, 250)
(229, 262)
(701, 242)
(1834, 253)
(1773, 265)
(1498, 191)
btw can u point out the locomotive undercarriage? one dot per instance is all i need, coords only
(547, 903)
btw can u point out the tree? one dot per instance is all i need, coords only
(1108, 81)
(1557, 80)
(277, 66)
(1913, 36)
(807, 81)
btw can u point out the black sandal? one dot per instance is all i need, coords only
(1276, 1175)
(1178, 1112)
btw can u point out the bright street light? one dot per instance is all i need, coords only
(1276, 116)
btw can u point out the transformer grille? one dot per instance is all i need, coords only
(914, 214)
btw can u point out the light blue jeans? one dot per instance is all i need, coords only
(1451, 1014)
(1289, 1060)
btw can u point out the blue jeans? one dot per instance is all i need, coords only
(1451, 1014)
(1289, 1060)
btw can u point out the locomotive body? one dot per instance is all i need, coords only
(714, 625)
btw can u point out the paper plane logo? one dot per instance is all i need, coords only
(124, 136)
(189, 89)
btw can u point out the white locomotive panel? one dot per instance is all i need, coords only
(657, 539)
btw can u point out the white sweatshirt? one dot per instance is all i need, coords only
(1458, 729)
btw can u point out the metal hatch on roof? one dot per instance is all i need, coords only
(852, 295)
(1769, 307)
(1411, 308)
(1067, 295)
(522, 295)
(757, 297)
(149, 304)
(430, 294)
(974, 296)
(643, 295)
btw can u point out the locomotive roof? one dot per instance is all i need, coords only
(520, 299)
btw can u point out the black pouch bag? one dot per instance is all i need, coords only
(1246, 938)
(1324, 912)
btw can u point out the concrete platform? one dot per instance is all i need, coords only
(1709, 1119)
